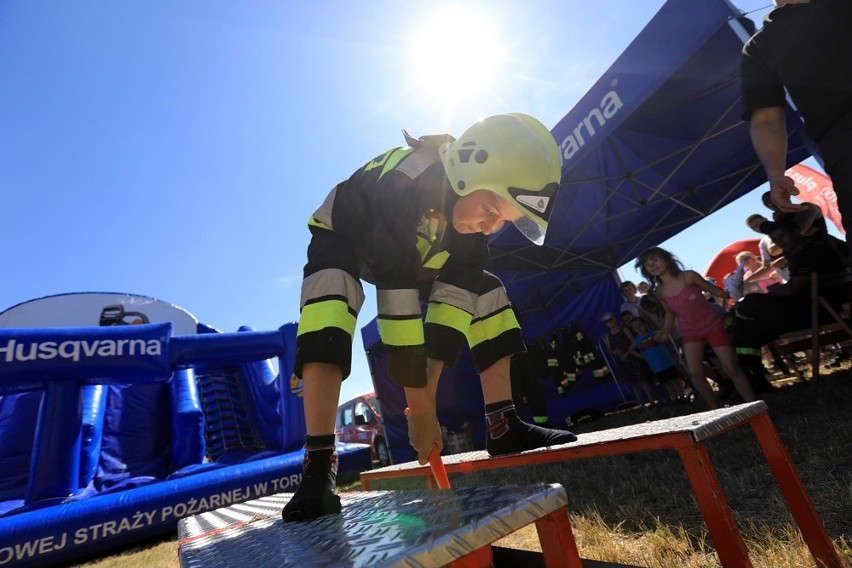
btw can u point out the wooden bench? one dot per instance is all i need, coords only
(687, 435)
(383, 528)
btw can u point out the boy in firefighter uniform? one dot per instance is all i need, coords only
(415, 222)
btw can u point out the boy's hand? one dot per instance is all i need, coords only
(424, 433)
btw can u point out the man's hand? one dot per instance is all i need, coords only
(424, 433)
(781, 188)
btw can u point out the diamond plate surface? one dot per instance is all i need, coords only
(701, 426)
(377, 528)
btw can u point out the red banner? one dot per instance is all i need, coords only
(816, 188)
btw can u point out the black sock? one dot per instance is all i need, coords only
(321, 457)
(315, 495)
(507, 433)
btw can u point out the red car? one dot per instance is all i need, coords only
(360, 421)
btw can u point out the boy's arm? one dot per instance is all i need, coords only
(424, 431)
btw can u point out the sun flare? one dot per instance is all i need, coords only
(456, 55)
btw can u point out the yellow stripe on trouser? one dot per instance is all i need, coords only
(491, 327)
(449, 316)
(325, 314)
(401, 332)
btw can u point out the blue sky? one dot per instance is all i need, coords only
(176, 149)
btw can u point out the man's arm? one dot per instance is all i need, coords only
(769, 138)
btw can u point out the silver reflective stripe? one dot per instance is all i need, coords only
(454, 296)
(415, 163)
(403, 302)
(491, 302)
(323, 214)
(333, 282)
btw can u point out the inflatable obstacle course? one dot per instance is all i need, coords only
(105, 435)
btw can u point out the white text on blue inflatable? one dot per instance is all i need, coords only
(75, 349)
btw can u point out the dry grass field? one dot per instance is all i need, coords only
(638, 509)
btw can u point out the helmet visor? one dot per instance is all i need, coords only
(530, 229)
(526, 225)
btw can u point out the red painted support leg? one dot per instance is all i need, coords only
(557, 540)
(714, 507)
(806, 516)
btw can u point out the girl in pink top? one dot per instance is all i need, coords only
(681, 292)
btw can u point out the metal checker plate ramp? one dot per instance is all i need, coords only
(701, 426)
(377, 528)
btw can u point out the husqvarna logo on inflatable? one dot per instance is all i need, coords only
(587, 128)
(75, 349)
(37, 355)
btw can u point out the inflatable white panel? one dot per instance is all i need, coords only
(92, 309)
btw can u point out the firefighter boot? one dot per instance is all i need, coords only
(315, 496)
(509, 434)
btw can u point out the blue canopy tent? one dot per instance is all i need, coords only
(654, 146)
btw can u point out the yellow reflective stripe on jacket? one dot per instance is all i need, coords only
(401, 332)
(392, 160)
(388, 160)
(491, 327)
(437, 261)
(423, 247)
(378, 162)
(324, 314)
(312, 222)
(449, 316)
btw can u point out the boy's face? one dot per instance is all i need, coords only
(628, 289)
(482, 211)
(639, 326)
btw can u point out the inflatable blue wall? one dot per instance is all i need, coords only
(110, 434)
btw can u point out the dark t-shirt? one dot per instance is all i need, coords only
(827, 261)
(807, 48)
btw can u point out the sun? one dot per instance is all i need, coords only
(456, 55)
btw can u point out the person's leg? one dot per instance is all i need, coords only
(728, 359)
(315, 496)
(670, 379)
(649, 390)
(693, 352)
(637, 392)
(506, 432)
(323, 360)
(673, 389)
